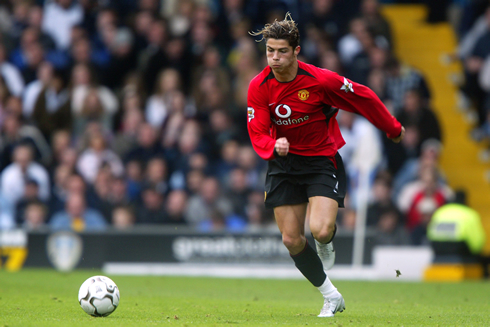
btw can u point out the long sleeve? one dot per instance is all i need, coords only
(259, 122)
(347, 95)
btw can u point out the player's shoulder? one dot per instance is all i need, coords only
(315, 71)
(261, 77)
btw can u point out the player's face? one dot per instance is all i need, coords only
(280, 55)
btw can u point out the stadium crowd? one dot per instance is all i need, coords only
(128, 112)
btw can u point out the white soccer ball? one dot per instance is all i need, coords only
(98, 296)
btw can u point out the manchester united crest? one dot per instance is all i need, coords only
(303, 95)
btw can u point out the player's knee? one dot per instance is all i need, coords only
(293, 243)
(324, 233)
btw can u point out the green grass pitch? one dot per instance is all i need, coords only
(42, 297)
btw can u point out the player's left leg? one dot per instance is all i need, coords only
(323, 214)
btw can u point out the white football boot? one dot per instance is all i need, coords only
(332, 304)
(326, 252)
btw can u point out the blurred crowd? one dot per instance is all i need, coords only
(130, 112)
(473, 52)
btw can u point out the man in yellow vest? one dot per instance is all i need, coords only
(456, 229)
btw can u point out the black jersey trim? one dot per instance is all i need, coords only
(329, 112)
(301, 71)
(268, 77)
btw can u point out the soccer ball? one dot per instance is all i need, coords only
(98, 296)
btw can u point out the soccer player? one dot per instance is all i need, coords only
(291, 122)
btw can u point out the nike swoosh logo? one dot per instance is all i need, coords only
(270, 104)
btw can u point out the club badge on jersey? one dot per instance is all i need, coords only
(303, 94)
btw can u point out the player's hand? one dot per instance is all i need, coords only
(399, 137)
(282, 146)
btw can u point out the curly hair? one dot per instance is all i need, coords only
(286, 29)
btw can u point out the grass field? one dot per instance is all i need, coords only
(48, 298)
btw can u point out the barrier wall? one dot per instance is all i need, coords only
(67, 250)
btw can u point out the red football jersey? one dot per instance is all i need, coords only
(304, 110)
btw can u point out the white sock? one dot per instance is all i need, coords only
(327, 288)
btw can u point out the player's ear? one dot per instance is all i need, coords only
(297, 50)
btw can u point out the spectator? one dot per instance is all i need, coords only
(208, 201)
(14, 176)
(360, 66)
(350, 45)
(90, 101)
(123, 218)
(248, 161)
(29, 55)
(143, 21)
(377, 82)
(419, 199)
(34, 88)
(221, 131)
(152, 209)
(194, 180)
(118, 193)
(157, 111)
(52, 108)
(35, 18)
(330, 60)
(7, 219)
(134, 179)
(31, 194)
(381, 199)
(429, 157)
(473, 64)
(35, 216)
(62, 177)
(364, 149)
(211, 66)
(227, 160)
(256, 218)
(10, 74)
(77, 216)
(175, 206)
(60, 143)
(15, 133)
(95, 157)
(376, 23)
(325, 16)
(147, 147)
(178, 112)
(126, 138)
(389, 230)
(398, 154)
(59, 17)
(466, 230)
(99, 193)
(153, 58)
(179, 159)
(414, 113)
(400, 79)
(156, 174)
(238, 192)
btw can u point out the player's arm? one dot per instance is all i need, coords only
(259, 122)
(347, 95)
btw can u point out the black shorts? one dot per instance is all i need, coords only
(294, 179)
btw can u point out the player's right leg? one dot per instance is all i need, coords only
(290, 220)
